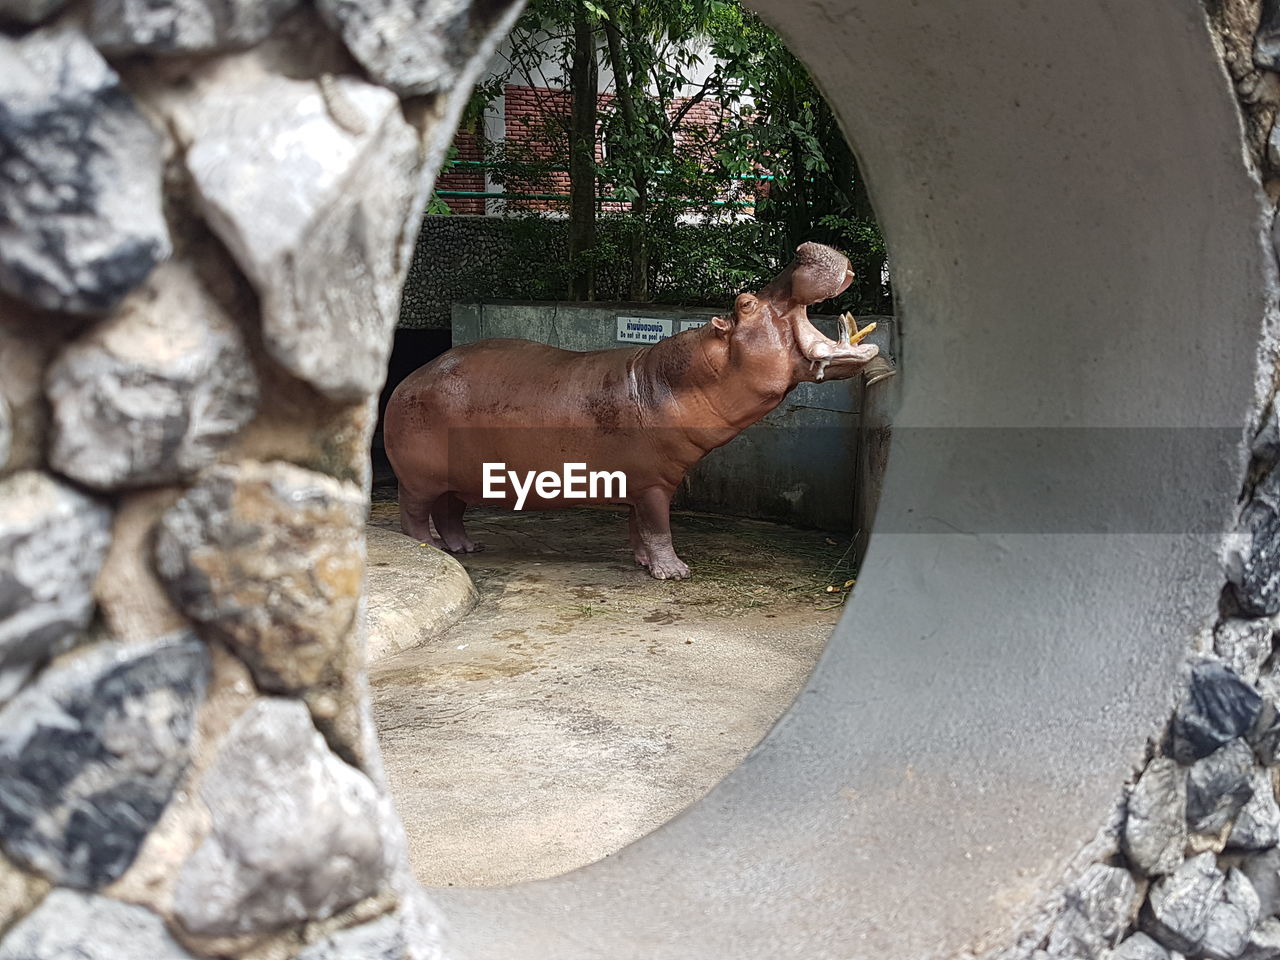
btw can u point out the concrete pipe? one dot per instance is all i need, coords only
(1079, 258)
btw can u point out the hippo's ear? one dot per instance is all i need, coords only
(722, 324)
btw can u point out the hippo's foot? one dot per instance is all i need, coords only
(668, 568)
(463, 545)
(420, 531)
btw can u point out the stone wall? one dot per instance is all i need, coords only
(206, 213)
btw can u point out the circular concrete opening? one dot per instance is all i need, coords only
(1077, 252)
(570, 703)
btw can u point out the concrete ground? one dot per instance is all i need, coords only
(583, 703)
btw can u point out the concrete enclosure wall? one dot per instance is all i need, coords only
(795, 466)
(206, 213)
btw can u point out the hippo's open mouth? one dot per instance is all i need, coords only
(821, 350)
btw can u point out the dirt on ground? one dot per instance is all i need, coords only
(583, 703)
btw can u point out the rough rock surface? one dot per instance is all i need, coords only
(1231, 920)
(383, 939)
(1139, 947)
(1266, 47)
(92, 752)
(1263, 871)
(6, 432)
(1219, 708)
(1155, 826)
(1258, 825)
(53, 540)
(1253, 562)
(1218, 786)
(296, 832)
(76, 926)
(413, 47)
(268, 557)
(1244, 646)
(1265, 733)
(25, 352)
(1264, 941)
(80, 218)
(1180, 905)
(182, 26)
(152, 394)
(29, 12)
(1099, 906)
(310, 186)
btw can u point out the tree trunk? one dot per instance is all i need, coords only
(584, 84)
(626, 83)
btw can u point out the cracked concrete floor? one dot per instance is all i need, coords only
(582, 703)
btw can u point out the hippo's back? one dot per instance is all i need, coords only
(514, 401)
(508, 382)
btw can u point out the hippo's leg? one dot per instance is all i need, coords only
(638, 548)
(447, 512)
(415, 516)
(652, 511)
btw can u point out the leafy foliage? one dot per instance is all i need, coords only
(772, 162)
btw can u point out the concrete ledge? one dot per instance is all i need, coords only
(415, 593)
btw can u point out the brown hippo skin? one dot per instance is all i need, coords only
(651, 411)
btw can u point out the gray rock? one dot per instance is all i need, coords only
(1155, 826)
(152, 394)
(267, 557)
(1219, 707)
(1266, 43)
(412, 46)
(1180, 905)
(1264, 941)
(1244, 646)
(182, 26)
(1258, 825)
(1096, 910)
(1139, 947)
(53, 540)
(1231, 921)
(26, 348)
(29, 12)
(295, 835)
(6, 433)
(1264, 735)
(1253, 559)
(92, 751)
(1218, 787)
(1263, 871)
(383, 939)
(310, 186)
(80, 217)
(76, 926)
(1266, 442)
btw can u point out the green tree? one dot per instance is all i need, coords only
(773, 151)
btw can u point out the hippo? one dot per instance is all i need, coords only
(649, 412)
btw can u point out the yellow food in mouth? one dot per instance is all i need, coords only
(861, 333)
(851, 328)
